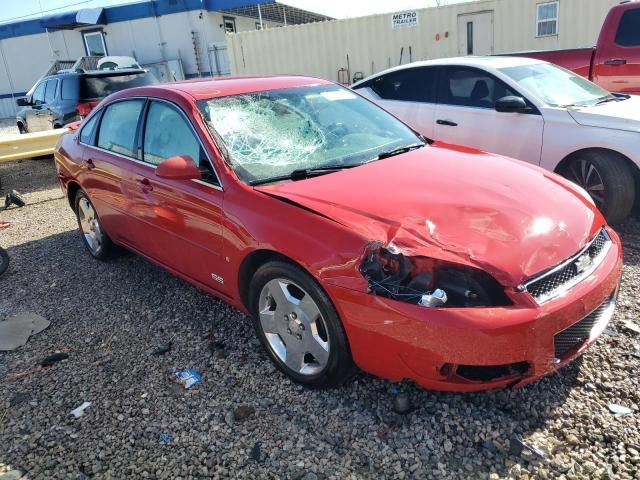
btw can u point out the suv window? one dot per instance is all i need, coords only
(470, 87)
(100, 86)
(629, 29)
(38, 94)
(411, 84)
(86, 134)
(70, 88)
(168, 134)
(51, 90)
(118, 127)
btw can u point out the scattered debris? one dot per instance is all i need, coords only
(254, 453)
(490, 446)
(620, 410)
(78, 412)
(16, 376)
(166, 438)
(16, 330)
(14, 198)
(229, 418)
(217, 348)
(629, 325)
(636, 352)
(4, 224)
(243, 411)
(53, 359)
(517, 446)
(402, 404)
(162, 349)
(188, 378)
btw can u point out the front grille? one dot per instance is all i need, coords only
(579, 332)
(553, 282)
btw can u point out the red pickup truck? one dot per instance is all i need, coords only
(614, 63)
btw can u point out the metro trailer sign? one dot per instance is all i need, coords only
(404, 19)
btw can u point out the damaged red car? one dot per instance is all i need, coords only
(350, 239)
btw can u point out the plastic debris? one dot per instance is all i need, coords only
(166, 438)
(629, 325)
(620, 410)
(161, 350)
(26, 373)
(14, 198)
(243, 411)
(16, 330)
(78, 412)
(217, 348)
(4, 224)
(229, 418)
(53, 359)
(188, 378)
(517, 446)
(636, 352)
(254, 454)
(402, 404)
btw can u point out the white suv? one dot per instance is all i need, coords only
(526, 109)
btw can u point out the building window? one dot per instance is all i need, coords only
(94, 43)
(229, 24)
(547, 19)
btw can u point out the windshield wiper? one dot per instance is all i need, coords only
(398, 151)
(301, 174)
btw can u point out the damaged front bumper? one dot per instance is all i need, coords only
(470, 349)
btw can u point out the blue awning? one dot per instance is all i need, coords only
(70, 20)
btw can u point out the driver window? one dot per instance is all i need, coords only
(167, 134)
(38, 94)
(469, 87)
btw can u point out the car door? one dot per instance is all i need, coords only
(47, 113)
(409, 94)
(466, 115)
(617, 59)
(110, 150)
(181, 219)
(33, 115)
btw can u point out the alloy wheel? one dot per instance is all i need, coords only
(585, 174)
(293, 327)
(90, 226)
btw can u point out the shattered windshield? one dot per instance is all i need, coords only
(273, 133)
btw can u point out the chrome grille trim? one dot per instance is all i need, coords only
(566, 275)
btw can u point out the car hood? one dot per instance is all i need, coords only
(452, 203)
(622, 115)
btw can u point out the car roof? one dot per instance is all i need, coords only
(491, 62)
(203, 89)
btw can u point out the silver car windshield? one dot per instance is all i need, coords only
(556, 86)
(273, 133)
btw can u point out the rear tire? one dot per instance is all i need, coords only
(608, 178)
(95, 239)
(22, 129)
(298, 326)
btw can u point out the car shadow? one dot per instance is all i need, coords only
(27, 176)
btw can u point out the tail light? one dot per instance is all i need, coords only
(85, 108)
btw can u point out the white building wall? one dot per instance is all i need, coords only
(321, 49)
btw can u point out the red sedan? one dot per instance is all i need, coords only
(349, 238)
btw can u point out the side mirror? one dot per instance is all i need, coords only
(511, 104)
(178, 168)
(23, 102)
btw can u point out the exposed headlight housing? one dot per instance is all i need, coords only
(429, 282)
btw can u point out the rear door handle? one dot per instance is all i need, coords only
(447, 123)
(146, 185)
(616, 61)
(90, 164)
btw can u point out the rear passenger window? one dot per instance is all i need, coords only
(70, 88)
(469, 87)
(118, 127)
(629, 29)
(86, 134)
(411, 84)
(50, 92)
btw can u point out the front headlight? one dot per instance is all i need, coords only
(429, 282)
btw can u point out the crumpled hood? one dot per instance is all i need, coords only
(623, 115)
(452, 203)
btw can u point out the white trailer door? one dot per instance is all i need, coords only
(475, 33)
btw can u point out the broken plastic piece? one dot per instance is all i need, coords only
(16, 376)
(162, 349)
(52, 359)
(4, 224)
(78, 412)
(188, 378)
(629, 325)
(517, 446)
(437, 298)
(620, 410)
(16, 330)
(14, 198)
(166, 438)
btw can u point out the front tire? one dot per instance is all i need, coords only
(607, 177)
(95, 239)
(298, 326)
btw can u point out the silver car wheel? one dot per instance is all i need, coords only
(293, 326)
(585, 174)
(90, 226)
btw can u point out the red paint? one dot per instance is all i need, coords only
(443, 201)
(614, 67)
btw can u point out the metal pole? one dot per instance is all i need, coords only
(260, 16)
(284, 14)
(11, 87)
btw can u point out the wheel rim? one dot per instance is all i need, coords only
(585, 174)
(90, 226)
(293, 326)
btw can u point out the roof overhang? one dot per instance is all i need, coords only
(70, 20)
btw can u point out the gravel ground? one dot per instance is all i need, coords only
(8, 127)
(109, 317)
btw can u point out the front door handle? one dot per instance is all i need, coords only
(448, 123)
(616, 61)
(90, 164)
(146, 185)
